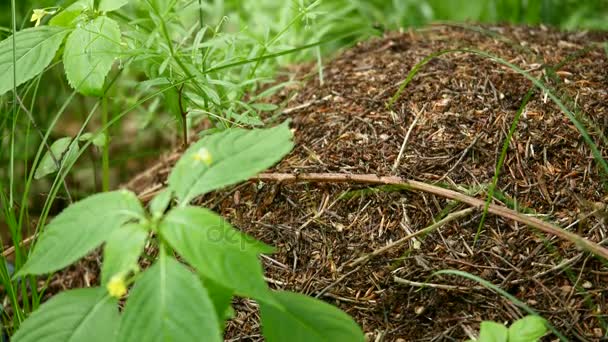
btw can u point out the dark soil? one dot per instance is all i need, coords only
(463, 105)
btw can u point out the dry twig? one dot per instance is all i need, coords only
(504, 212)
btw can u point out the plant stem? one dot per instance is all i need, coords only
(11, 170)
(105, 158)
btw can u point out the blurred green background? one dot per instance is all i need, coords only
(564, 14)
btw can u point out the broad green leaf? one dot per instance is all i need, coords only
(169, 303)
(217, 250)
(122, 250)
(160, 203)
(111, 5)
(527, 329)
(90, 51)
(80, 228)
(304, 319)
(67, 17)
(35, 50)
(61, 156)
(221, 298)
(493, 332)
(227, 158)
(88, 314)
(99, 140)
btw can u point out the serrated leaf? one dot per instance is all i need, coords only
(527, 329)
(122, 250)
(67, 17)
(111, 5)
(80, 228)
(90, 51)
(71, 316)
(61, 156)
(35, 50)
(217, 250)
(302, 318)
(169, 303)
(234, 155)
(492, 332)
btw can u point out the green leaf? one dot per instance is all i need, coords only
(111, 5)
(221, 298)
(35, 50)
(265, 107)
(122, 250)
(527, 329)
(80, 228)
(492, 332)
(160, 202)
(227, 158)
(61, 155)
(303, 318)
(89, 54)
(99, 140)
(169, 303)
(67, 17)
(217, 250)
(76, 315)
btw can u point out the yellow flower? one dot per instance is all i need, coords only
(117, 286)
(39, 14)
(203, 155)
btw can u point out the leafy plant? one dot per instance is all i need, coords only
(527, 329)
(169, 300)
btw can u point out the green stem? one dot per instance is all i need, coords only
(11, 177)
(105, 158)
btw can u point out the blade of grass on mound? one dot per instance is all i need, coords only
(501, 160)
(597, 155)
(503, 293)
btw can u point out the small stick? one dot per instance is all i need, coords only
(328, 287)
(184, 115)
(447, 219)
(462, 155)
(435, 286)
(407, 137)
(305, 105)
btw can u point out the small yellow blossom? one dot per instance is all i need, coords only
(39, 14)
(117, 286)
(203, 155)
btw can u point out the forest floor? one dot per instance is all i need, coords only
(454, 117)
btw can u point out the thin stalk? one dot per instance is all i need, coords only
(11, 170)
(105, 156)
(200, 13)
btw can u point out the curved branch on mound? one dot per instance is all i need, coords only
(501, 211)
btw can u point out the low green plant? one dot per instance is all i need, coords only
(171, 300)
(527, 329)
